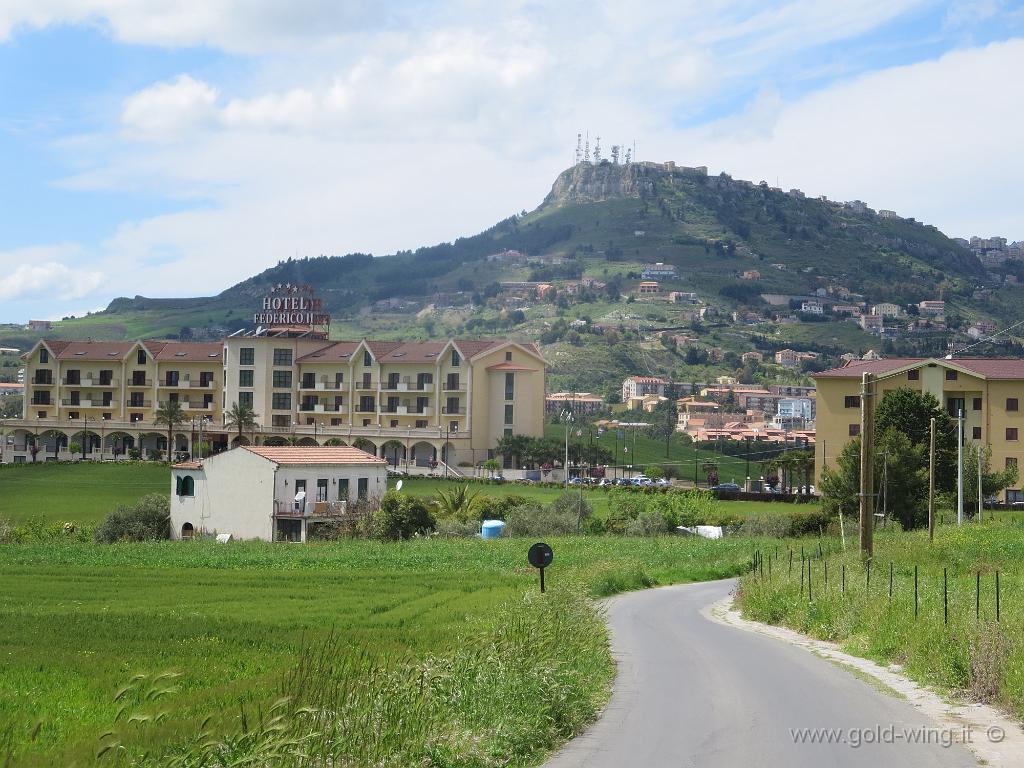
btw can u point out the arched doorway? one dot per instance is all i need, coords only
(423, 454)
(187, 531)
(394, 452)
(365, 445)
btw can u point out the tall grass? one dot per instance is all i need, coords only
(954, 641)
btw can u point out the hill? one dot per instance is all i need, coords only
(602, 223)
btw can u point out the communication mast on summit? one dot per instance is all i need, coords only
(620, 154)
(597, 151)
(586, 150)
(615, 154)
(579, 148)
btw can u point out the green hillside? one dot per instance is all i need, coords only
(605, 222)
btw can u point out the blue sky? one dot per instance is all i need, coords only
(172, 151)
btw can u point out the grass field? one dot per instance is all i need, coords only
(80, 493)
(954, 640)
(80, 620)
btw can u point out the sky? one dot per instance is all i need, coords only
(160, 148)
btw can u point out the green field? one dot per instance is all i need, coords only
(79, 493)
(954, 641)
(80, 620)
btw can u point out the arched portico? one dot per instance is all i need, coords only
(394, 452)
(365, 445)
(423, 454)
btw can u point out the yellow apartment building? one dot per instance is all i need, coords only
(989, 391)
(413, 403)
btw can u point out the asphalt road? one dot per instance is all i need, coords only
(693, 692)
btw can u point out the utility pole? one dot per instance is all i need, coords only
(931, 480)
(867, 464)
(960, 467)
(885, 487)
(979, 483)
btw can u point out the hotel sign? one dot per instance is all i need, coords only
(291, 304)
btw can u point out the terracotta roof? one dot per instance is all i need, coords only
(289, 454)
(472, 347)
(648, 378)
(340, 351)
(855, 368)
(93, 350)
(989, 368)
(188, 465)
(506, 366)
(381, 348)
(187, 351)
(414, 352)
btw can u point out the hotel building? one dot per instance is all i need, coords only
(988, 391)
(413, 403)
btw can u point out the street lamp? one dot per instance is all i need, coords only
(567, 418)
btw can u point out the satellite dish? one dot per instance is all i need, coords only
(398, 485)
(259, 329)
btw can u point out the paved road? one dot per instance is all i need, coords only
(693, 692)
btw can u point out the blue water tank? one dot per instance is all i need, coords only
(491, 529)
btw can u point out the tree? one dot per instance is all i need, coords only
(170, 413)
(240, 416)
(513, 447)
(459, 503)
(905, 482)
(666, 419)
(992, 481)
(402, 516)
(908, 411)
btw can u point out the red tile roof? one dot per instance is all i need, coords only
(188, 465)
(93, 350)
(988, 368)
(187, 351)
(289, 454)
(340, 351)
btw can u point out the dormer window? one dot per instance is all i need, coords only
(367, 359)
(142, 357)
(455, 358)
(44, 355)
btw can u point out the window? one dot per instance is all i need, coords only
(339, 378)
(76, 398)
(950, 375)
(421, 423)
(394, 423)
(366, 404)
(508, 357)
(247, 356)
(367, 358)
(172, 378)
(107, 399)
(976, 433)
(308, 380)
(456, 360)
(510, 385)
(1011, 462)
(954, 405)
(186, 486)
(1011, 403)
(280, 421)
(508, 414)
(300, 486)
(282, 357)
(106, 378)
(108, 416)
(913, 375)
(851, 401)
(136, 400)
(41, 415)
(976, 404)
(245, 378)
(282, 379)
(321, 489)
(245, 398)
(508, 432)
(281, 401)
(138, 378)
(205, 378)
(1011, 433)
(40, 398)
(343, 489)
(74, 377)
(362, 487)
(335, 422)
(136, 417)
(141, 357)
(44, 356)
(72, 414)
(854, 430)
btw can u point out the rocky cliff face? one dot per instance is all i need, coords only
(586, 183)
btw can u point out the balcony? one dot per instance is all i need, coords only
(406, 385)
(458, 386)
(86, 403)
(184, 384)
(89, 382)
(139, 384)
(321, 386)
(453, 411)
(46, 381)
(308, 509)
(361, 409)
(187, 405)
(321, 407)
(364, 385)
(139, 403)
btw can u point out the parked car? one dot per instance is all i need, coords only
(725, 487)
(576, 481)
(623, 481)
(605, 482)
(663, 482)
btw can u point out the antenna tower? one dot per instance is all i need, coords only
(586, 149)
(597, 151)
(615, 154)
(579, 148)
(628, 155)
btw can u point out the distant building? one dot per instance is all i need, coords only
(647, 288)
(40, 325)
(658, 271)
(789, 408)
(751, 274)
(884, 214)
(683, 297)
(872, 323)
(638, 386)
(812, 307)
(932, 307)
(886, 309)
(846, 309)
(754, 356)
(575, 402)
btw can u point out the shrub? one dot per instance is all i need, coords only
(573, 504)
(149, 519)
(401, 516)
(650, 522)
(497, 508)
(531, 519)
(457, 529)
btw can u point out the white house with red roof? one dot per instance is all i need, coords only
(273, 493)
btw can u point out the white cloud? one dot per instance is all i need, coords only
(39, 272)
(170, 110)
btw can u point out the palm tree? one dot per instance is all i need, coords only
(459, 503)
(241, 416)
(170, 413)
